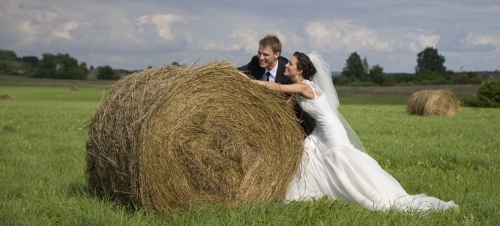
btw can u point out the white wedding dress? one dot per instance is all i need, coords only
(331, 166)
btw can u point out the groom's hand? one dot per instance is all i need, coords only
(243, 74)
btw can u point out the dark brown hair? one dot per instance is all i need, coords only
(305, 64)
(272, 41)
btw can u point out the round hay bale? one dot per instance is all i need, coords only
(433, 103)
(74, 88)
(167, 138)
(9, 97)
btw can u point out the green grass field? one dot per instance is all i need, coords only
(42, 150)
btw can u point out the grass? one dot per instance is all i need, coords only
(42, 149)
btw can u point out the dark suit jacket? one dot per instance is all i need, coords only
(253, 69)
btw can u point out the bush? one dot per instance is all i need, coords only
(360, 83)
(409, 83)
(440, 81)
(107, 73)
(14, 68)
(487, 96)
(421, 76)
(341, 80)
(466, 78)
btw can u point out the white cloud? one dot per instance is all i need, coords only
(413, 47)
(342, 35)
(139, 34)
(291, 42)
(246, 39)
(62, 31)
(163, 23)
(207, 45)
(27, 30)
(240, 39)
(421, 41)
(483, 40)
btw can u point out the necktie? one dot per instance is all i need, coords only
(268, 75)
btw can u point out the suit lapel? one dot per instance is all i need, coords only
(258, 73)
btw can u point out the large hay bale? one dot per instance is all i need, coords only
(433, 103)
(166, 138)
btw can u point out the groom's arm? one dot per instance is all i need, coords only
(247, 68)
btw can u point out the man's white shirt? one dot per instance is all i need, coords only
(273, 72)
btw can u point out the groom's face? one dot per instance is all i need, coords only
(267, 59)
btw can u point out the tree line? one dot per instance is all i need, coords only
(430, 70)
(59, 66)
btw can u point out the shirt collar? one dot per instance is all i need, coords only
(274, 70)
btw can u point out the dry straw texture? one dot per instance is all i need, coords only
(9, 97)
(170, 137)
(433, 103)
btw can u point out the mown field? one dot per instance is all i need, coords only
(42, 149)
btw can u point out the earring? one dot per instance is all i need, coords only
(296, 77)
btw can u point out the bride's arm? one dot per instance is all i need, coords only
(300, 88)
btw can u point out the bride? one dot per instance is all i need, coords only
(334, 163)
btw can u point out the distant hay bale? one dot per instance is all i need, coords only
(74, 88)
(167, 138)
(9, 97)
(433, 103)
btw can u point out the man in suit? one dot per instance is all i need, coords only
(269, 65)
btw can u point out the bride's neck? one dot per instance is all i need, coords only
(300, 79)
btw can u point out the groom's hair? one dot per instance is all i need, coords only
(272, 41)
(305, 64)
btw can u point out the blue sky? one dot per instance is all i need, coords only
(136, 34)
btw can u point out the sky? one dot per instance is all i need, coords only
(133, 35)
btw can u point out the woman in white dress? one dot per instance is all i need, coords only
(334, 163)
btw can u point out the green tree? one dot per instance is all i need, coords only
(8, 55)
(106, 72)
(46, 66)
(430, 60)
(354, 69)
(31, 60)
(12, 65)
(377, 75)
(83, 66)
(60, 66)
(366, 66)
(488, 94)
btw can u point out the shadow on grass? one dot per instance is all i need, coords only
(79, 189)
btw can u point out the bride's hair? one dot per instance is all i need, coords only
(305, 64)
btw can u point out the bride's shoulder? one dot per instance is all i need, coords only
(314, 87)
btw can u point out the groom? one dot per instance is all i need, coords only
(269, 65)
